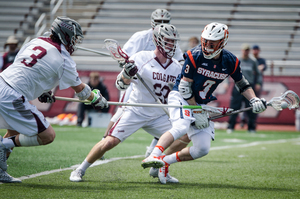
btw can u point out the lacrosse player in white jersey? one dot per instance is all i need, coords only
(157, 68)
(40, 65)
(143, 41)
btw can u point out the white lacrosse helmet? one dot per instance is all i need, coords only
(161, 33)
(68, 31)
(214, 32)
(160, 16)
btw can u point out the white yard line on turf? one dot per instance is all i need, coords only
(99, 162)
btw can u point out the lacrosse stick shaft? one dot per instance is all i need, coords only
(93, 51)
(131, 104)
(289, 97)
(231, 113)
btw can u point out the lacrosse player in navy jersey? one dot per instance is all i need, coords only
(205, 67)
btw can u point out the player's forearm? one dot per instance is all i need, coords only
(249, 94)
(125, 80)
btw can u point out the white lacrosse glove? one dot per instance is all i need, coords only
(130, 69)
(99, 102)
(201, 117)
(258, 105)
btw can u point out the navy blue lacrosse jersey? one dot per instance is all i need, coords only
(208, 73)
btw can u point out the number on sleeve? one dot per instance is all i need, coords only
(187, 69)
(35, 57)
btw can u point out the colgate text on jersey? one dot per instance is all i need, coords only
(163, 77)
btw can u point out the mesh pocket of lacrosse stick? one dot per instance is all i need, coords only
(289, 97)
(115, 50)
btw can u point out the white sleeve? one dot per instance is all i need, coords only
(69, 75)
(134, 44)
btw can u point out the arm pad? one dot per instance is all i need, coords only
(85, 93)
(120, 83)
(185, 89)
(242, 85)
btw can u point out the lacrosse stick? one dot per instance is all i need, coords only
(93, 51)
(289, 99)
(210, 109)
(118, 54)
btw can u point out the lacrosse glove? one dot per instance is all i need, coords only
(201, 117)
(121, 64)
(99, 102)
(258, 105)
(47, 97)
(130, 69)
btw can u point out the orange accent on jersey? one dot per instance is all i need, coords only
(236, 65)
(160, 148)
(177, 157)
(191, 58)
(187, 113)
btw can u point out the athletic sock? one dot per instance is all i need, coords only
(157, 151)
(8, 142)
(84, 165)
(173, 158)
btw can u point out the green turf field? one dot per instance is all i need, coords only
(239, 165)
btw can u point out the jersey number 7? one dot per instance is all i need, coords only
(207, 85)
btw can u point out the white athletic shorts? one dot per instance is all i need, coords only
(124, 98)
(130, 122)
(16, 113)
(181, 118)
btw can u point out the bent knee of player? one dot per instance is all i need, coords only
(198, 152)
(47, 136)
(110, 142)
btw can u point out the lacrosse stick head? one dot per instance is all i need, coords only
(115, 50)
(290, 99)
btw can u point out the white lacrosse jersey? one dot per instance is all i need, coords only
(40, 66)
(143, 41)
(156, 76)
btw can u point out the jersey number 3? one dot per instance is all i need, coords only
(35, 57)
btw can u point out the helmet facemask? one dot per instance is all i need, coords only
(214, 32)
(166, 37)
(76, 39)
(210, 52)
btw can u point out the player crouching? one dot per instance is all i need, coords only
(205, 67)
